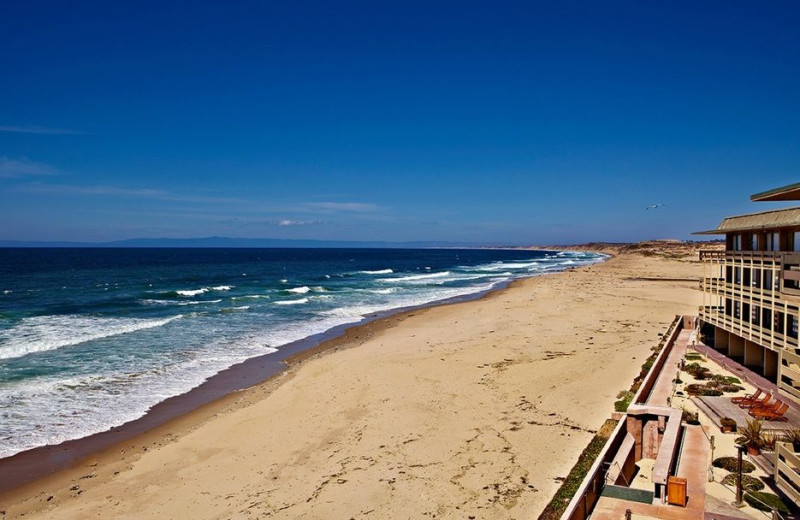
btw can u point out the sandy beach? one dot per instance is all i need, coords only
(474, 409)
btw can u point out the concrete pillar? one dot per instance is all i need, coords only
(753, 356)
(771, 361)
(721, 340)
(634, 426)
(735, 346)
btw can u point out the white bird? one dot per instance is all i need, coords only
(655, 206)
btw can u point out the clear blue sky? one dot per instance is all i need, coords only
(514, 122)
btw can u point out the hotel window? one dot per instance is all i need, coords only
(754, 242)
(755, 311)
(791, 326)
(736, 309)
(768, 279)
(757, 278)
(737, 272)
(796, 241)
(737, 242)
(773, 241)
(766, 317)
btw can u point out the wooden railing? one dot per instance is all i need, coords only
(787, 471)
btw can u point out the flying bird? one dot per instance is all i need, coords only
(655, 206)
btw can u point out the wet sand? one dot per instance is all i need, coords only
(475, 408)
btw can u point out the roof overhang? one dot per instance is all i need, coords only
(775, 219)
(790, 192)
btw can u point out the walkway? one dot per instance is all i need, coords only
(693, 463)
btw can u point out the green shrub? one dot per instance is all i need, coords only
(729, 464)
(694, 357)
(625, 398)
(748, 483)
(726, 380)
(731, 388)
(765, 501)
(710, 392)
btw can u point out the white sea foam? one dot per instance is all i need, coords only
(198, 302)
(292, 302)
(235, 309)
(414, 277)
(379, 271)
(7, 291)
(43, 333)
(299, 290)
(193, 292)
(390, 290)
(250, 297)
(222, 288)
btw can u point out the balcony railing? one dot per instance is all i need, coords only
(787, 471)
(716, 316)
(749, 256)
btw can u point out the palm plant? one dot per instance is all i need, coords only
(752, 436)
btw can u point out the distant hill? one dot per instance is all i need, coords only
(222, 242)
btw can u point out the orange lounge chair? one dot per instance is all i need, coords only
(752, 397)
(765, 407)
(756, 403)
(771, 415)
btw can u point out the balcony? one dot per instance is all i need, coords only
(753, 332)
(742, 256)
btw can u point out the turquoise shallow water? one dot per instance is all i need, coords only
(93, 338)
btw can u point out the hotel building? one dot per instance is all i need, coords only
(751, 291)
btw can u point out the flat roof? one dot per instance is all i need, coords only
(790, 192)
(779, 218)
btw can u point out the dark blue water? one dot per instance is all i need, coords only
(93, 338)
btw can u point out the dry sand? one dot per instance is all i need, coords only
(475, 409)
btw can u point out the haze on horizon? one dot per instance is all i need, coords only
(483, 122)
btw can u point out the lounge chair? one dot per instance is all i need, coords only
(776, 414)
(752, 397)
(757, 403)
(765, 407)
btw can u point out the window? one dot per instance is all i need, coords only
(796, 241)
(754, 242)
(773, 241)
(737, 242)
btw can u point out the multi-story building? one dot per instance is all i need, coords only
(751, 291)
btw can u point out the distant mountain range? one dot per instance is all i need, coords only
(243, 243)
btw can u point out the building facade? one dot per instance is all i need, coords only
(751, 291)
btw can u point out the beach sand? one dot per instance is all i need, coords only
(475, 409)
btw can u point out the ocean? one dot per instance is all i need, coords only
(93, 338)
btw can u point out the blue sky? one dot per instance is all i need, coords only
(494, 122)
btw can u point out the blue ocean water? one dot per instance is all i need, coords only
(93, 338)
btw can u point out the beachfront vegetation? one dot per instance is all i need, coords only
(765, 501)
(730, 464)
(727, 424)
(752, 436)
(690, 417)
(573, 481)
(625, 397)
(748, 483)
(726, 380)
(697, 371)
(713, 388)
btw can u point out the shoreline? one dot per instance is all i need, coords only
(215, 394)
(309, 408)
